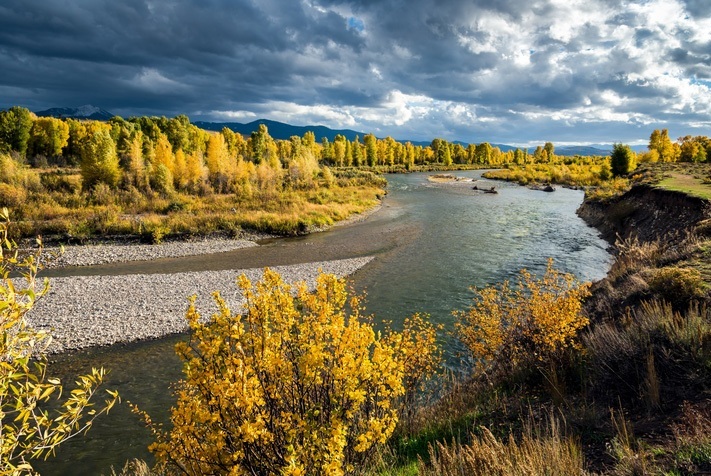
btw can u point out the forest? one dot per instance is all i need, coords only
(152, 177)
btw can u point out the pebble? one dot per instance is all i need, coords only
(88, 255)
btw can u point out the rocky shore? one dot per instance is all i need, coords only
(85, 311)
(88, 255)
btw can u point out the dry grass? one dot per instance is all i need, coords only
(541, 452)
(574, 174)
(77, 216)
(692, 440)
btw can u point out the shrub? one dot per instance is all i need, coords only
(508, 327)
(679, 286)
(298, 385)
(102, 194)
(12, 195)
(29, 430)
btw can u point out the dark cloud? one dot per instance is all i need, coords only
(698, 8)
(409, 68)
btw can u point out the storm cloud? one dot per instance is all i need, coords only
(510, 71)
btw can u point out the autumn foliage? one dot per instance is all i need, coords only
(301, 383)
(531, 322)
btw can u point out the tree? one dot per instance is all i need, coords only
(508, 328)
(15, 125)
(298, 384)
(29, 429)
(483, 153)
(216, 159)
(693, 149)
(99, 162)
(164, 154)
(549, 151)
(371, 149)
(135, 165)
(259, 138)
(660, 141)
(177, 131)
(357, 152)
(48, 137)
(622, 160)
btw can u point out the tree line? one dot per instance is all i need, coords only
(161, 154)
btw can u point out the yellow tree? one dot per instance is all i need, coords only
(667, 150)
(164, 154)
(298, 384)
(135, 165)
(29, 430)
(195, 171)
(180, 170)
(48, 136)
(216, 159)
(99, 162)
(529, 323)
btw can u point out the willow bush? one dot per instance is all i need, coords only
(301, 383)
(529, 324)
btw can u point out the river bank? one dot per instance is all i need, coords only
(100, 310)
(86, 311)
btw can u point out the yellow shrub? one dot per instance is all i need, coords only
(532, 322)
(12, 195)
(295, 386)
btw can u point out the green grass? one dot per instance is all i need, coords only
(688, 184)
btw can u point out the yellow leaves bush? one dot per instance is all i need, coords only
(27, 430)
(529, 323)
(299, 384)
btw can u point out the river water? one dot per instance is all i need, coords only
(431, 243)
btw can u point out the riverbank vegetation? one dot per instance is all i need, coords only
(154, 178)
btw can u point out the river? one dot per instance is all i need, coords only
(431, 243)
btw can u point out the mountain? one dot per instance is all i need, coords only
(280, 130)
(584, 150)
(82, 112)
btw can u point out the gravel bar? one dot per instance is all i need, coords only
(88, 255)
(86, 311)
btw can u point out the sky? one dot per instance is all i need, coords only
(519, 72)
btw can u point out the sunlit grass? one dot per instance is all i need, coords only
(689, 184)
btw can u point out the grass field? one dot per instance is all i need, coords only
(689, 184)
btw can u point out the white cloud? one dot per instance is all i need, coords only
(232, 115)
(152, 80)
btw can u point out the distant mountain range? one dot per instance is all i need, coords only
(82, 112)
(280, 130)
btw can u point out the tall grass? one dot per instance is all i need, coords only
(538, 452)
(653, 352)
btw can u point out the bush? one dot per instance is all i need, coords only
(508, 328)
(29, 430)
(12, 195)
(295, 386)
(679, 286)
